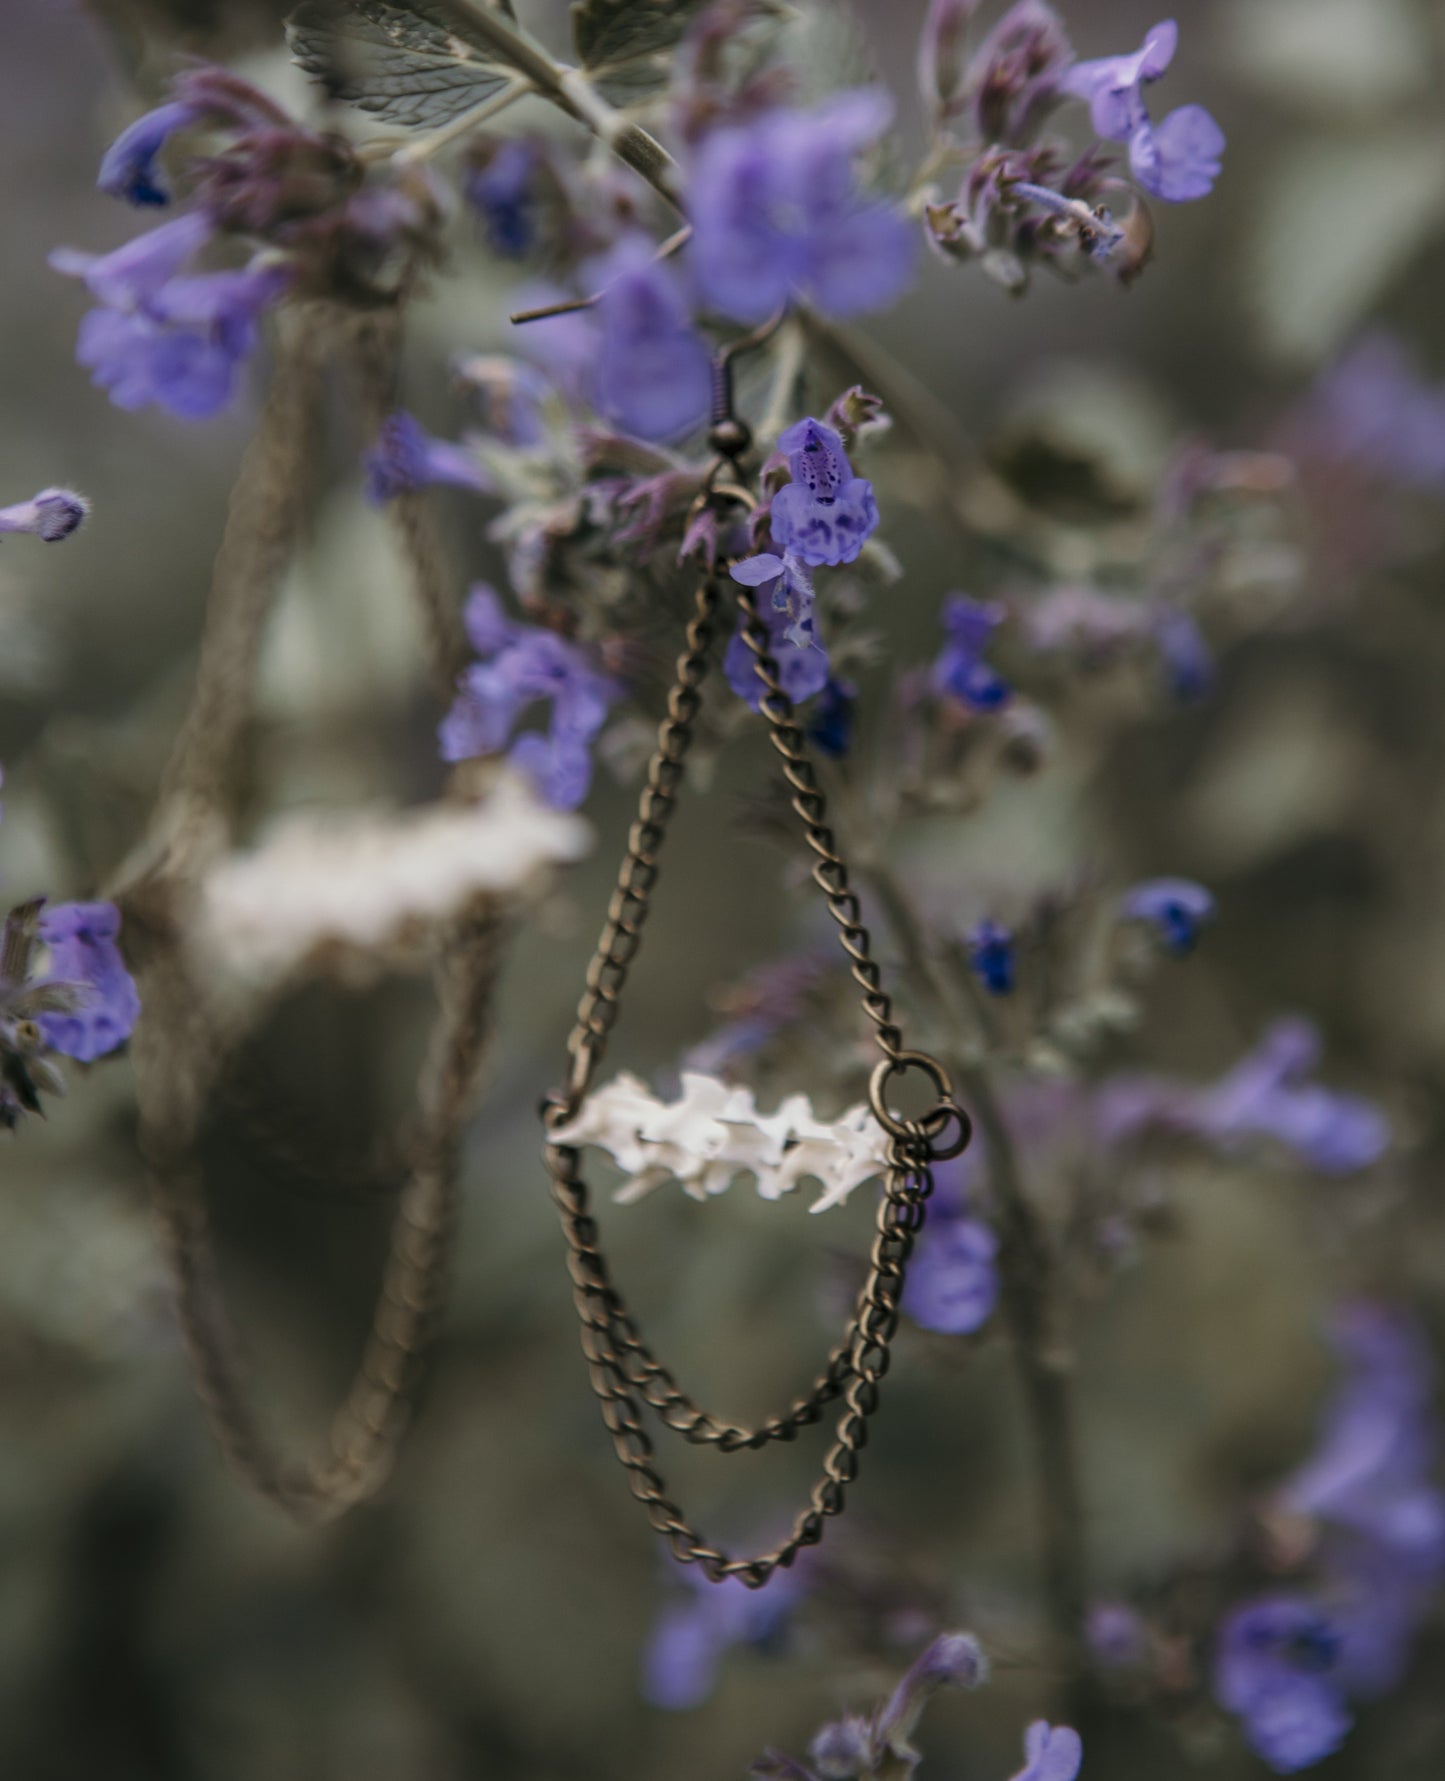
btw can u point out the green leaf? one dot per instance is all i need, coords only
(411, 62)
(607, 33)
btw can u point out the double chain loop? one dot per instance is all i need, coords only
(621, 1366)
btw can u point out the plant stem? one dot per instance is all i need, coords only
(570, 90)
(1029, 1281)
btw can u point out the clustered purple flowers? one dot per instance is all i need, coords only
(521, 666)
(1289, 1662)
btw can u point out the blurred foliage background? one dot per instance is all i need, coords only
(487, 1616)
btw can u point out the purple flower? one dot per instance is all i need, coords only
(1186, 656)
(992, 954)
(960, 672)
(1116, 1636)
(406, 457)
(694, 1633)
(777, 214)
(163, 338)
(1175, 908)
(1276, 1667)
(952, 1660)
(1013, 78)
(953, 1279)
(1093, 226)
(785, 606)
(1371, 1471)
(501, 192)
(83, 953)
(129, 168)
(523, 665)
(830, 728)
(1266, 1094)
(51, 515)
(653, 372)
(1373, 408)
(825, 514)
(1053, 1752)
(1177, 159)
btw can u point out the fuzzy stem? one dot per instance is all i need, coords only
(1030, 1288)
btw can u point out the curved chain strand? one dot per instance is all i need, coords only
(618, 1359)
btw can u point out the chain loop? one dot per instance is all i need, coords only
(620, 1364)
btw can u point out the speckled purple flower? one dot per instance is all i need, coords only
(777, 214)
(825, 514)
(785, 606)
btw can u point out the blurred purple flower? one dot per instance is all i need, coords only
(1177, 159)
(129, 170)
(163, 338)
(960, 671)
(992, 953)
(83, 953)
(1265, 1095)
(830, 728)
(1187, 660)
(1053, 1752)
(523, 665)
(51, 515)
(777, 214)
(1374, 409)
(825, 514)
(953, 1278)
(653, 375)
(1176, 908)
(1371, 1471)
(1116, 1635)
(695, 1632)
(407, 457)
(501, 191)
(1276, 1666)
(768, 999)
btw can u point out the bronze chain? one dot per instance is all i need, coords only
(619, 1361)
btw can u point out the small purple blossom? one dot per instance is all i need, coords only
(129, 168)
(785, 606)
(523, 665)
(1176, 908)
(501, 191)
(1012, 80)
(653, 371)
(953, 1279)
(830, 728)
(1276, 1667)
(825, 514)
(1177, 159)
(1373, 409)
(777, 214)
(695, 1632)
(51, 515)
(83, 954)
(993, 956)
(1052, 1752)
(407, 457)
(1116, 1636)
(960, 671)
(1188, 662)
(164, 338)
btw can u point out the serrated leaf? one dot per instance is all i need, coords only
(410, 62)
(608, 32)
